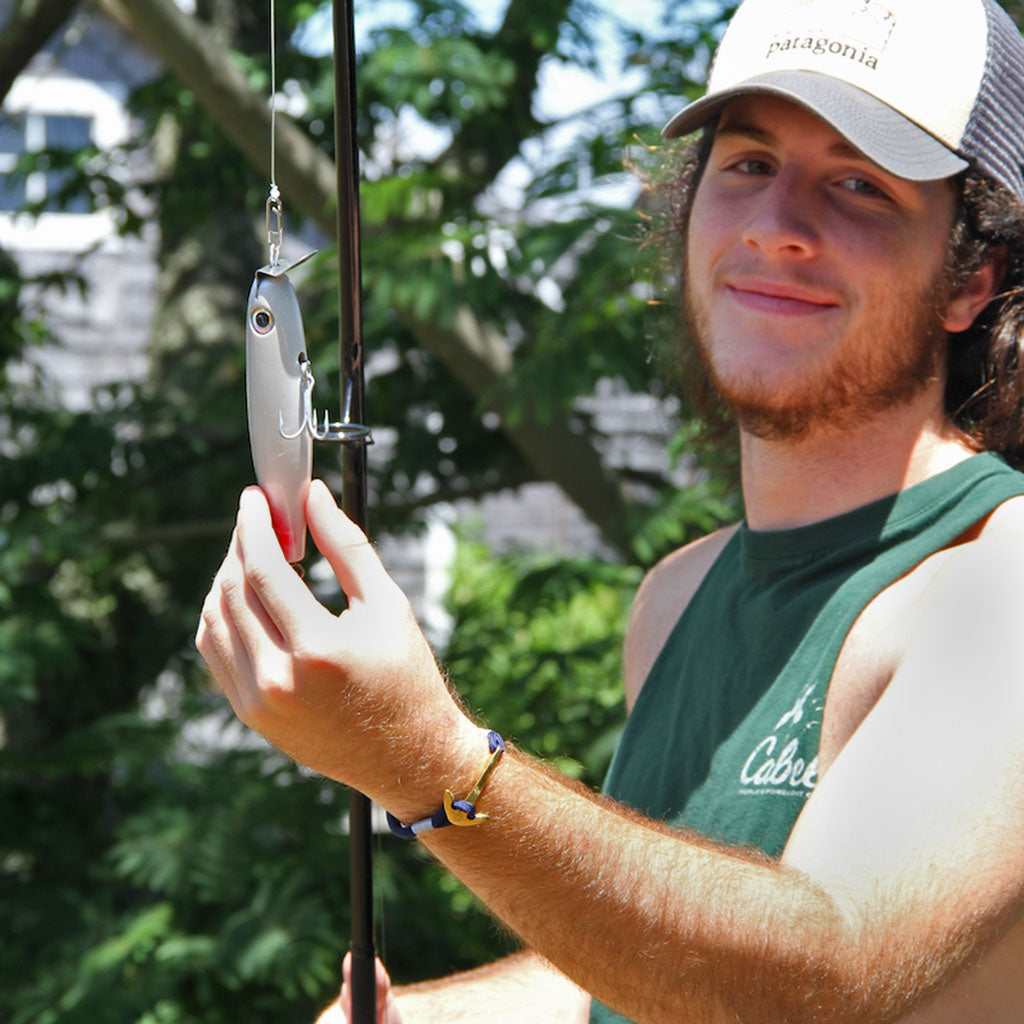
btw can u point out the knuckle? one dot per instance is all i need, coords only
(257, 577)
(230, 586)
(209, 623)
(395, 602)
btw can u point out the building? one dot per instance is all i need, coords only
(74, 92)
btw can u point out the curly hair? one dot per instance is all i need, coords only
(985, 364)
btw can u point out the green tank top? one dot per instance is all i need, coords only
(724, 736)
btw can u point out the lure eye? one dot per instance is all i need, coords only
(262, 321)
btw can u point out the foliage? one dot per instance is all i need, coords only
(536, 647)
(156, 864)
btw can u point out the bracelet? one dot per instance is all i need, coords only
(452, 811)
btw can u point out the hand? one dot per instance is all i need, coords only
(387, 1009)
(357, 696)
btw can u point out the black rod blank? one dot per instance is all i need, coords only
(353, 464)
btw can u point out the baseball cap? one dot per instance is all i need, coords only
(923, 89)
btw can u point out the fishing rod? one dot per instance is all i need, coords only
(353, 463)
(283, 424)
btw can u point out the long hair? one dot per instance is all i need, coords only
(985, 364)
(985, 378)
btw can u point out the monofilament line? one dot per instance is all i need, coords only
(273, 101)
(275, 230)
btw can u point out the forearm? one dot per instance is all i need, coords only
(707, 933)
(518, 988)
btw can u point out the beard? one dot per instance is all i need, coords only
(866, 377)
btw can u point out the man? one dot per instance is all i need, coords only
(827, 700)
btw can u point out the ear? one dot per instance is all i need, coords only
(975, 293)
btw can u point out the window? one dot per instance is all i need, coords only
(32, 132)
(12, 145)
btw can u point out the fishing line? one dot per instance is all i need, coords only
(273, 100)
(275, 212)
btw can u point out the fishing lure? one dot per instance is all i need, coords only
(278, 386)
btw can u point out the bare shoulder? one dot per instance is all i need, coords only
(969, 598)
(1005, 522)
(986, 568)
(663, 595)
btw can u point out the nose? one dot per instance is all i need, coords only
(782, 221)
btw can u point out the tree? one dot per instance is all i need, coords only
(29, 25)
(156, 867)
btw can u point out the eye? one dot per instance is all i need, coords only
(753, 167)
(862, 188)
(262, 320)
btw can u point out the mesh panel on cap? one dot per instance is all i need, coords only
(995, 133)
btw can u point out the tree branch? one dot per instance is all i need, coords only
(26, 32)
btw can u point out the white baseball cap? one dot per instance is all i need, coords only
(924, 88)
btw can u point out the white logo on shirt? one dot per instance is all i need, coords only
(765, 771)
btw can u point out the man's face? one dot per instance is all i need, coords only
(814, 279)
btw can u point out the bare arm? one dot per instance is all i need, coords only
(905, 862)
(518, 988)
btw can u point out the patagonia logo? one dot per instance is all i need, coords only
(819, 46)
(862, 38)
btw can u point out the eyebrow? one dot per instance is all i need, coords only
(754, 133)
(744, 130)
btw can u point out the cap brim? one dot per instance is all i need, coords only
(874, 128)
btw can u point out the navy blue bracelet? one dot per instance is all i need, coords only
(452, 811)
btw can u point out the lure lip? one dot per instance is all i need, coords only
(283, 269)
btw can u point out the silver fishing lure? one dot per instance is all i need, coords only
(278, 386)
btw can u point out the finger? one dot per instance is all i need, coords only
(346, 548)
(237, 635)
(245, 610)
(234, 657)
(345, 1002)
(384, 998)
(213, 643)
(210, 618)
(277, 594)
(346, 987)
(218, 639)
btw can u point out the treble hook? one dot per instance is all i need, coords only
(344, 433)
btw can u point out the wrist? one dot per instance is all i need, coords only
(448, 776)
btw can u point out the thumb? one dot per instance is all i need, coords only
(348, 551)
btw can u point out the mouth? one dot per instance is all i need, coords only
(779, 298)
